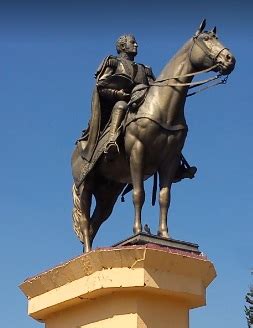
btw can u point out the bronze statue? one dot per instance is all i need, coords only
(117, 79)
(153, 130)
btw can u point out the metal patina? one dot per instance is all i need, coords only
(105, 160)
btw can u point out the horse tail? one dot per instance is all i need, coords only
(77, 213)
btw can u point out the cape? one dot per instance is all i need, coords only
(94, 127)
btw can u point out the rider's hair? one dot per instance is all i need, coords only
(122, 41)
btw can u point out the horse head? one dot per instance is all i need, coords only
(208, 51)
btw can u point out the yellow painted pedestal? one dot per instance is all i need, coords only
(125, 287)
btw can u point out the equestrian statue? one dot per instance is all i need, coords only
(138, 130)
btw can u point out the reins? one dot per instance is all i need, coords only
(189, 74)
(159, 83)
(191, 84)
(223, 81)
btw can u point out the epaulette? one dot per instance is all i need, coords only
(149, 72)
(110, 61)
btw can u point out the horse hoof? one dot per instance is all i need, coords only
(137, 230)
(86, 249)
(163, 234)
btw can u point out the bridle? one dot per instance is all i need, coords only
(207, 53)
(160, 83)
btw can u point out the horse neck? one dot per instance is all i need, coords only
(167, 102)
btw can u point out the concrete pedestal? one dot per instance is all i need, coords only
(125, 287)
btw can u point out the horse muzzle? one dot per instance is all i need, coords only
(226, 62)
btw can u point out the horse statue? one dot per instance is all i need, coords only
(152, 141)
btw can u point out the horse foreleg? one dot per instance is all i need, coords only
(165, 177)
(136, 167)
(86, 197)
(164, 202)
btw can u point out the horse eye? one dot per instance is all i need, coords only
(206, 38)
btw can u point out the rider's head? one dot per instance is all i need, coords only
(127, 44)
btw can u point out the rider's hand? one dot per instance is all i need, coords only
(122, 95)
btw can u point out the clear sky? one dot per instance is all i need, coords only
(49, 53)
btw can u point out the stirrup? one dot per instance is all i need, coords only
(185, 173)
(190, 172)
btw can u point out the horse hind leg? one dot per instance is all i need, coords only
(81, 215)
(106, 197)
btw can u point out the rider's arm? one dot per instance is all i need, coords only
(107, 93)
(112, 94)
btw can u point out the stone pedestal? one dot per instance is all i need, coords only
(124, 287)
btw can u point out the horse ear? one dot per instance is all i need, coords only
(214, 30)
(201, 27)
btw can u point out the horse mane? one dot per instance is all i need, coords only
(173, 64)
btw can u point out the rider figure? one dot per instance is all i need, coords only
(116, 77)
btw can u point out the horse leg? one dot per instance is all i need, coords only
(106, 197)
(86, 197)
(166, 176)
(136, 168)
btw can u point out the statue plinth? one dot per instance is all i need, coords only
(143, 238)
(126, 286)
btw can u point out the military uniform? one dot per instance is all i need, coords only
(138, 73)
(115, 74)
(116, 78)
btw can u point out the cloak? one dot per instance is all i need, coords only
(94, 127)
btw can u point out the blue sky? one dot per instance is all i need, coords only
(49, 53)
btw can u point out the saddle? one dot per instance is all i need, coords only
(138, 96)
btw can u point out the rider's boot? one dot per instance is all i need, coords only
(118, 113)
(184, 171)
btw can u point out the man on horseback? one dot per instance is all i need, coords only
(121, 84)
(116, 78)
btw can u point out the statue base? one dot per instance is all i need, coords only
(145, 238)
(144, 286)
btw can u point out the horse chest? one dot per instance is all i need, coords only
(157, 144)
(160, 147)
(153, 135)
